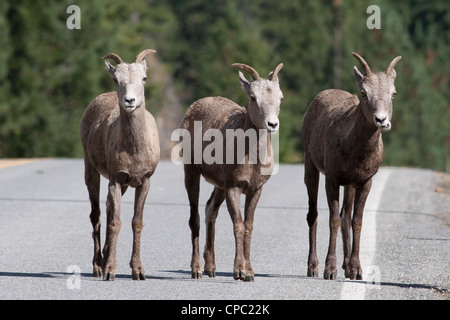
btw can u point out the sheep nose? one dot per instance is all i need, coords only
(380, 121)
(272, 125)
(130, 101)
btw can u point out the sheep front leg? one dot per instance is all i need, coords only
(346, 221)
(312, 185)
(192, 184)
(92, 179)
(250, 205)
(353, 270)
(137, 270)
(112, 230)
(332, 190)
(233, 204)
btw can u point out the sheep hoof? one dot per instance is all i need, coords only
(249, 278)
(330, 275)
(239, 275)
(97, 274)
(138, 276)
(211, 274)
(109, 276)
(313, 273)
(196, 275)
(354, 275)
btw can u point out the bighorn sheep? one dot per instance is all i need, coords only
(342, 139)
(231, 178)
(120, 142)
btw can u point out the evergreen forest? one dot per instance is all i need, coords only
(50, 72)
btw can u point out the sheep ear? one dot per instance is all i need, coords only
(144, 63)
(244, 82)
(358, 75)
(109, 67)
(393, 74)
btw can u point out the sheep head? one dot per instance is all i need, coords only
(129, 79)
(377, 92)
(264, 97)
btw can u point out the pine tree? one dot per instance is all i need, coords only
(49, 74)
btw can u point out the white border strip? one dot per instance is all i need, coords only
(355, 290)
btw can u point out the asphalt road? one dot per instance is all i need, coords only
(46, 246)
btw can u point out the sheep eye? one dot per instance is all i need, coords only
(116, 81)
(281, 99)
(363, 94)
(393, 95)
(252, 97)
(144, 79)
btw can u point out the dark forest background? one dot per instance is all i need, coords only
(49, 73)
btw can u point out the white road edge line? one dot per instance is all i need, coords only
(356, 290)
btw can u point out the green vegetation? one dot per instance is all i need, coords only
(49, 74)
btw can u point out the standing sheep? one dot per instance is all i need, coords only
(342, 139)
(236, 177)
(120, 142)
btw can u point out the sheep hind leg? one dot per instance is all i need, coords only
(92, 179)
(192, 184)
(212, 210)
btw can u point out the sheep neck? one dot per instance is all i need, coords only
(363, 136)
(249, 125)
(132, 128)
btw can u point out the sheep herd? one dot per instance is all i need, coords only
(341, 135)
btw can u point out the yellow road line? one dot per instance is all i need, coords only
(5, 163)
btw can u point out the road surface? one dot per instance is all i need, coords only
(46, 246)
